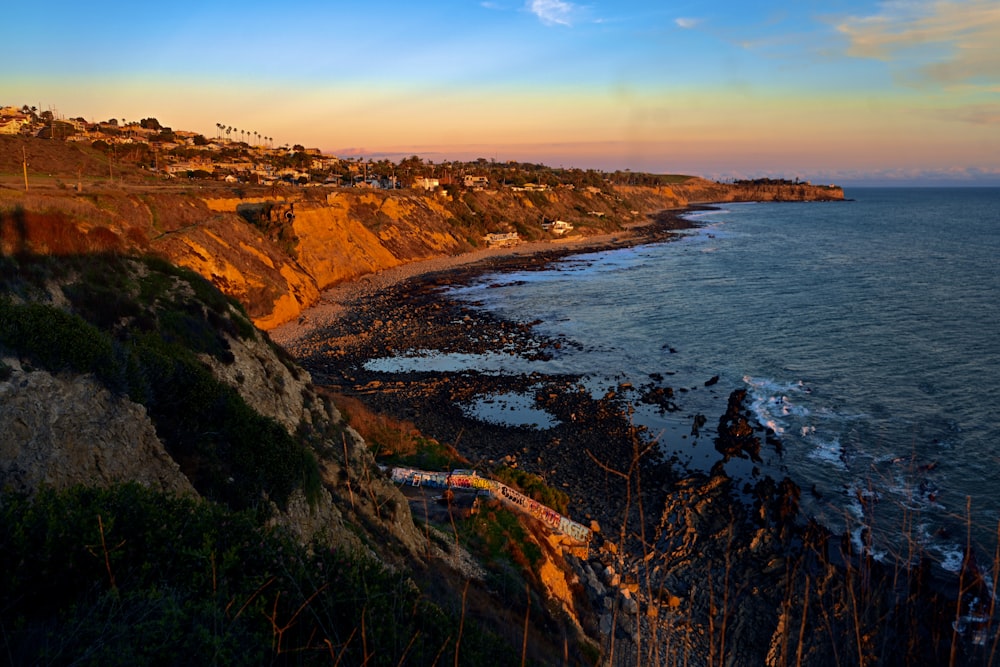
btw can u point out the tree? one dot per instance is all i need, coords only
(150, 124)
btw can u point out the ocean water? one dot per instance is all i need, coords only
(866, 332)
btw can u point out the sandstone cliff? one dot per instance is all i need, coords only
(63, 430)
(274, 251)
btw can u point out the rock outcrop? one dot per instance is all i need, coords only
(736, 436)
(62, 430)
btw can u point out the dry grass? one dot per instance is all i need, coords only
(385, 435)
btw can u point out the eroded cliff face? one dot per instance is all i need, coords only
(277, 264)
(62, 430)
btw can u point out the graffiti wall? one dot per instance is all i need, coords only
(469, 479)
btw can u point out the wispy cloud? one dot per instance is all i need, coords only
(553, 12)
(976, 114)
(946, 41)
(686, 23)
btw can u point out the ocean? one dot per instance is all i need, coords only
(866, 333)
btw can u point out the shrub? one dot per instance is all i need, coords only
(129, 576)
(498, 535)
(534, 487)
(54, 339)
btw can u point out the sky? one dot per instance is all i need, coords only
(843, 91)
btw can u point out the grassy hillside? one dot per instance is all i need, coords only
(118, 573)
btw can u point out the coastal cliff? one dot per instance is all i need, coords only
(163, 464)
(276, 250)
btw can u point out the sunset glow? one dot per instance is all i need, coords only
(849, 91)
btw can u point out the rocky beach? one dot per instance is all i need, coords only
(686, 565)
(404, 309)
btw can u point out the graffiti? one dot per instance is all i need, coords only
(470, 479)
(463, 479)
(437, 480)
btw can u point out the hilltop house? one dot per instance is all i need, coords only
(12, 123)
(426, 183)
(476, 182)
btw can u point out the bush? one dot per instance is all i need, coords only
(534, 487)
(498, 536)
(129, 576)
(53, 338)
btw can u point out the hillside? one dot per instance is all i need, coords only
(164, 466)
(275, 249)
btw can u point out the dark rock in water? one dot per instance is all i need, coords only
(697, 423)
(712, 381)
(736, 433)
(660, 396)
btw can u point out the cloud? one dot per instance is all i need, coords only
(553, 12)
(686, 23)
(974, 114)
(946, 41)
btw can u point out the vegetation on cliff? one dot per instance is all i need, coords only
(128, 576)
(139, 327)
(118, 573)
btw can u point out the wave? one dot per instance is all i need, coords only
(772, 402)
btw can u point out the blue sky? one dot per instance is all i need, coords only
(845, 91)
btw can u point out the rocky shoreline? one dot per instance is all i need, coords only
(405, 310)
(687, 564)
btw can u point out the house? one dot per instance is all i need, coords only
(426, 183)
(13, 123)
(190, 165)
(476, 182)
(557, 227)
(502, 240)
